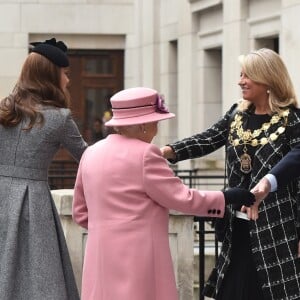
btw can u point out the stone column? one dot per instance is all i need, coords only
(181, 239)
(74, 234)
(235, 43)
(290, 39)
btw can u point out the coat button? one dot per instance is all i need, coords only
(218, 212)
(209, 211)
(213, 211)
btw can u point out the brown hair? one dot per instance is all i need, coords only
(39, 85)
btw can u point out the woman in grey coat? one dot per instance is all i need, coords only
(34, 123)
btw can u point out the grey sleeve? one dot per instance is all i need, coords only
(72, 139)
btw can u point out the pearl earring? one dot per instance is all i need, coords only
(144, 131)
(268, 91)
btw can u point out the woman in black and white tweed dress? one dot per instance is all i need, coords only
(259, 257)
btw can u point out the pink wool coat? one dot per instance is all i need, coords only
(123, 191)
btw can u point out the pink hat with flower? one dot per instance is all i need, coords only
(137, 106)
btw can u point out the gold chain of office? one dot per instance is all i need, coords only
(247, 137)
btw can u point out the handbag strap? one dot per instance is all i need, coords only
(230, 119)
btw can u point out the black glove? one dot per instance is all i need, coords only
(238, 196)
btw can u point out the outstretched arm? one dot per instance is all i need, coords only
(202, 143)
(288, 168)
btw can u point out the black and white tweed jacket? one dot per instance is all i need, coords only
(274, 235)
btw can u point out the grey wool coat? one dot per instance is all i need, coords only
(275, 235)
(34, 260)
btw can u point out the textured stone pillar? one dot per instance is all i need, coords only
(75, 235)
(290, 39)
(181, 238)
(235, 43)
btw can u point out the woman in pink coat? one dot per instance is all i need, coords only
(123, 192)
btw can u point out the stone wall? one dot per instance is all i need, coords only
(186, 49)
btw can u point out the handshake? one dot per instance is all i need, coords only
(249, 200)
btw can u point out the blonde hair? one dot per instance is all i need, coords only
(266, 67)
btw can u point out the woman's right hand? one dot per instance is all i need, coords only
(167, 152)
(261, 190)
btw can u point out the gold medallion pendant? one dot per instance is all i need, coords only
(245, 161)
(238, 136)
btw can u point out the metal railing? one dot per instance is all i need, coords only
(202, 241)
(62, 175)
(205, 225)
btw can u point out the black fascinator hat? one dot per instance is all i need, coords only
(53, 50)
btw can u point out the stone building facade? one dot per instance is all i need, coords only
(186, 49)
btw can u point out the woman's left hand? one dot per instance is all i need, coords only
(252, 211)
(260, 191)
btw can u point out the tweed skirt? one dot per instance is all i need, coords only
(241, 280)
